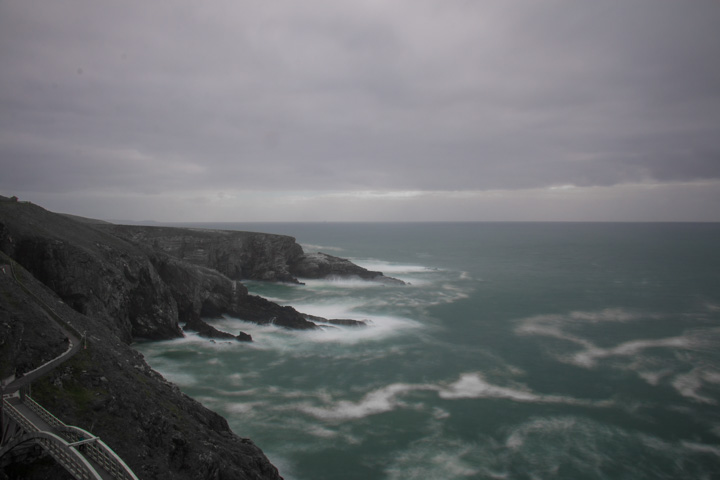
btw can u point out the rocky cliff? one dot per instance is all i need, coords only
(121, 284)
(243, 255)
(322, 265)
(109, 390)
(130, 284)
(95, 273)
(237, 255)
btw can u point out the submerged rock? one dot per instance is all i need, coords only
(244, 337)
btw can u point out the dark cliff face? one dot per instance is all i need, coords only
(237, 255)
(132, 283)
(202, 292)
(109, 390)
(92, 271)
(244, 255)
(27, 340)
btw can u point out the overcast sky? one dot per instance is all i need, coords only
(330, 110)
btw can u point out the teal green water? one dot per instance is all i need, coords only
(518, 351)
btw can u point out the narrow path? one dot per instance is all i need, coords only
(72, 335)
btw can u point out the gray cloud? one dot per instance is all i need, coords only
(173, 97)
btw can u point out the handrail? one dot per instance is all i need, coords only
(10, 410)
(68, 438)
(48, 417)
(70, 459)
(97, 451)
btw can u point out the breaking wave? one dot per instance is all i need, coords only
(390, 268)
(471, 385)
(683, 369)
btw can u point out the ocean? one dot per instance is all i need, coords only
(515, 351)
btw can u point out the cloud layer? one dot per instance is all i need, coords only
(196, 102)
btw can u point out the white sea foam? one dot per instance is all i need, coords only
(637, 355)
(543, 444)
(689, 384)
(335, 307)
(469, 385)
(434, 457)
(654, 377)
(440, 413)
(474, 385)
(240, 408)
(378, 401)
(589, 357)
(393, 268)
(702, 448)
(191, 343)
(335, 283)
(431, 463)
(238, 379)
(271, 337)
(377, 328)
(309, 247)
(556, 326)
(516, 439)
(412, 275)
(538, 322)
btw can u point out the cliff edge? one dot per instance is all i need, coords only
(109, 390)
(122, 284)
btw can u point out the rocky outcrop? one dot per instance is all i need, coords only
(144, 282)
(346, 322)
(244, 255)
(109, 390)
(262, 311)
(206, 330)
(322, 265)
(204, 293)
(135, 289)
(94, 272)
(237, 255)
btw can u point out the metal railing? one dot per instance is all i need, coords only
(72, 460)
(69, 458)
(92, 446)
(12, 412)
(46, 416)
